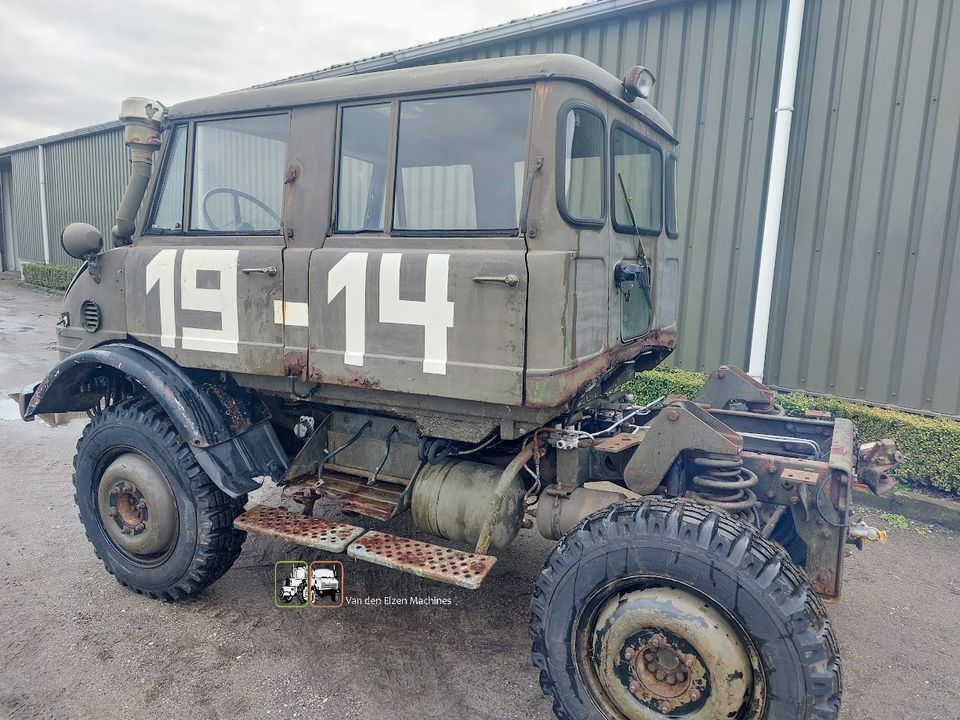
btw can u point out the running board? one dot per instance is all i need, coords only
(466, 570)
(433, 562)
(298, 529)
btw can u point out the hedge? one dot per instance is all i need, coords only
(931, 444)
(54, 277)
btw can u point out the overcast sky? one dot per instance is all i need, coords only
(68, 64)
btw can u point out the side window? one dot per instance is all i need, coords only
(168, 208)
(581, 192)
(673, 229)
(238, 169)
(362, 180)
(460, 162)
(638, 174)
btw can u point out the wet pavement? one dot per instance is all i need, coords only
(74, 643)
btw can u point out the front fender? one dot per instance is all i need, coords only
(227, 427)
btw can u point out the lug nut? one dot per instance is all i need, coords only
(665, 707)
(629, 653)
(141, 505)
(634, 687)
(689, 660)
(655, 641)
(115, 490)
(126, 530)
(694, 695)
(113, 512)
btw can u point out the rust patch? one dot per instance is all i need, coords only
(555, 389)
(466, 570)
(295, 364)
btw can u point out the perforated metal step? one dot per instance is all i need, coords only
(433, 562)
(298, 529)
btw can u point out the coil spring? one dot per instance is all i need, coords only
(725, 483)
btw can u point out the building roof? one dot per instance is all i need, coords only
(80, 132)
(473, 74)
(512, 30)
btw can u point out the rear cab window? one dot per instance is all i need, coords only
(581, 187)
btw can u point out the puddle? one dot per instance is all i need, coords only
(10, 410)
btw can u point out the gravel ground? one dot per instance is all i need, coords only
(73, 643)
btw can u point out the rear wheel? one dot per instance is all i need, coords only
(154, 518)
(661, 608)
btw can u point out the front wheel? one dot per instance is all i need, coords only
(666, 609)
(154, 518)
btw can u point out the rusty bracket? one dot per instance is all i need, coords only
(679, 427)
(730, 388)
(877, 461)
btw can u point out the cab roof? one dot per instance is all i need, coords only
(404, 81)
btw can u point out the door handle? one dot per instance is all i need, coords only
(510, 280)
(271, 270)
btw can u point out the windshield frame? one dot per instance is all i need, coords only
(618, 125)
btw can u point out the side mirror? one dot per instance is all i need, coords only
(81, 241)
(628, 276)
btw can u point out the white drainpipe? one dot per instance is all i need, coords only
(41, 171)
(778, 172)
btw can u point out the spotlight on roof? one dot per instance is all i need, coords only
(638, 82)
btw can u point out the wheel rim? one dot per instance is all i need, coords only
(660, 652)
(137, 507)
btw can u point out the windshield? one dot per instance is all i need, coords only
(639, 164)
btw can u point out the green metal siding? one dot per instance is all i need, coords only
(716, 63)
(25, 204)
(85, 177)
(868, 279)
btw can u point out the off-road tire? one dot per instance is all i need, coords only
(206, 544)
(726, 560)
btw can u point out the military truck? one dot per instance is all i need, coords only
(420, 291)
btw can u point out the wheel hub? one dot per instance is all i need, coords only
(137, 506)
(664, 652)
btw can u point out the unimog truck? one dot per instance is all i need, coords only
(420, 291)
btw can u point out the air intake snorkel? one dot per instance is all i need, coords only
(142, 122)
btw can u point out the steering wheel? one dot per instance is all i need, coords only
(237, 219)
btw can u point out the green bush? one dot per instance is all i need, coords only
(54, 277)
(931, 444)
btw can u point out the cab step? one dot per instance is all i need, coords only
(298, 529)
(433, 562)
(464, 569)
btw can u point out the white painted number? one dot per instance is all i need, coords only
(160, 270)
(434, 312)
(350, 275)
(221, 300)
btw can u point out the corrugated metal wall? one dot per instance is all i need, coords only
(868, 279)
(716, 63)
(25, 202)
(85, 177)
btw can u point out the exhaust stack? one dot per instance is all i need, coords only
(142, 122)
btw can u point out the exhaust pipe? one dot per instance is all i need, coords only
(142, 122)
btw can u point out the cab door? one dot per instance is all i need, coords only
(205, 279)
(422, 286)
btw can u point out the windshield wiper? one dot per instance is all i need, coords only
(641, 255)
